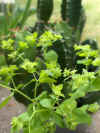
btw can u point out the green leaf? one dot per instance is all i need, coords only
(37, 123)
(53, 70)
(76, 117)
(58, 120)
(67, 106)
(29, 66)
(61, 28)
(57, 90)
(66, 72)
(86, 62)
(43, 95)
(16, 124)
(44, 77)
(81, 116)
(44, 115)
(13, 55)
(51, 56)
(47, 103)
(79, 93)
(8, 45)
(95, 86)
(94, 107)
(25, 130)
(23, 45)
(96, 62)
(24, 117)
(19, 122)
(46, 40)
(37, 130)
(31, 39)
(6, 101)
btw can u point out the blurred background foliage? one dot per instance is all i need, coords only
(92, 8)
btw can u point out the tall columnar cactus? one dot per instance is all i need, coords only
(72, 12)
(44, 9)
(74, 8)
(64, 9)
(44, 12)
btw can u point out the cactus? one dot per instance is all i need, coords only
(66, 54)
(82, 21)
(64, 9)
(44, 9)
(73, 12)
(44, 12)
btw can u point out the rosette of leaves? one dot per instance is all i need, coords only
(50, 104)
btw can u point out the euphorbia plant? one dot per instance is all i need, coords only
(55, 91)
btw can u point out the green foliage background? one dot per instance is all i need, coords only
(92, 9)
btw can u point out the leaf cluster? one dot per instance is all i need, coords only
(56, 102)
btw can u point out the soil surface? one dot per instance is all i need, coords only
(13, 108)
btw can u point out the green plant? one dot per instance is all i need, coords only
(44, 10)
(64, 9)
(94, 46)
(54, 101)
(70, 30)
(72, 13)
(12, 21)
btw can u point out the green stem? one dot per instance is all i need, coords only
(41, 110)
(21, 93)
(36, 85)
(25, 14)
(29, 127)
(35, 89)
(28, 83)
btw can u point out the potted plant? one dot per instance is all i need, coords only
(55, 92)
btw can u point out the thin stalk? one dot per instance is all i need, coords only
(41, 110)
(35, 89)
(36, 85)
(21, 93)
(28, 83)
(25, 14)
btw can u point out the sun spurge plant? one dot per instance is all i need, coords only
(54, 92)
